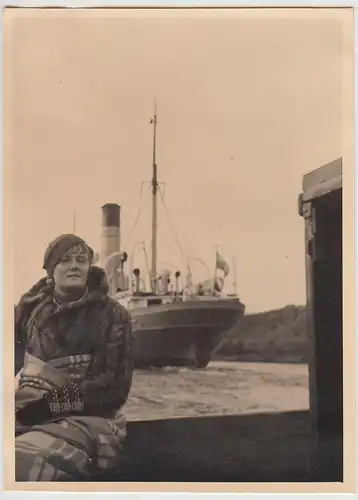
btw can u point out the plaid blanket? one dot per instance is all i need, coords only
(67, 448)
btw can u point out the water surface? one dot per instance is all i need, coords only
(222, 388)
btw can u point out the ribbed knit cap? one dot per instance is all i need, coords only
(59, 247)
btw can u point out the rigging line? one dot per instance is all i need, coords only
(173, 229)
(127, 240)
(132, 253)
(166, 263)
(146, 259)
(201, 262)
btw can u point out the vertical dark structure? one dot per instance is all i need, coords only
(321, 206)
(154, 204)
(111, 215)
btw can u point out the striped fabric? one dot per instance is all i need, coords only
(74, 447)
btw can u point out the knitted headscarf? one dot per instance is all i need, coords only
(59, 247)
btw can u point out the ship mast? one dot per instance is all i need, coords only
(154, 184)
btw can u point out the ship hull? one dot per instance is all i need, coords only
(182, 333)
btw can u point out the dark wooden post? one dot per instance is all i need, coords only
(321, 206)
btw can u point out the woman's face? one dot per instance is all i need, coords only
(73, 268)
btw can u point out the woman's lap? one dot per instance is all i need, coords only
(67, 450)
(42, 457)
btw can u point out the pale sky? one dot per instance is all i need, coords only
(246, 106)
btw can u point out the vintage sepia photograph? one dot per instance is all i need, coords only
(173, 219)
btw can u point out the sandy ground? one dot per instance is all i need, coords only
(221, 388)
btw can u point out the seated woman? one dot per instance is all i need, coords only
(77, 369)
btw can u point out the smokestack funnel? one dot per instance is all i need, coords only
(111, 215)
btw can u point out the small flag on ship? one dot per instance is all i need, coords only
(222, 264)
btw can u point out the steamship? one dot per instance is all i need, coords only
(173, 324)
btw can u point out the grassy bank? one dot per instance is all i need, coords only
(272, 336)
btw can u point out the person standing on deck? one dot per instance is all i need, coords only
(76, 372)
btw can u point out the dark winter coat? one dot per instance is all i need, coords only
(95, 325)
